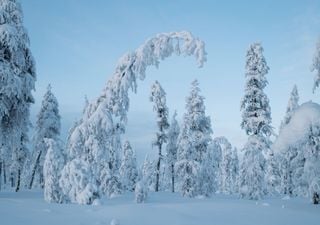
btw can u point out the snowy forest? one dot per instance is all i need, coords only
(95, 164)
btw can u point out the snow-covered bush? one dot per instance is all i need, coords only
(128, 168)
(52, 167)
(77, 182)
(141, 192)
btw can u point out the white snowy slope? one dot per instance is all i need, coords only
(164, 208)
(297, 129)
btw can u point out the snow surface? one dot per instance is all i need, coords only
(297, 129)
(164, 208)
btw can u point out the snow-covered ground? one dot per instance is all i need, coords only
(29, 208)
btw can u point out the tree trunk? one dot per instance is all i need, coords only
(172, 178)
(315, 198)
(158, 169)
(34, 170)
(0, 175)
(18, 180)
(11, 180)
(4, 174)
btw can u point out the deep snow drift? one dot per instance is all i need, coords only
(29, 208)
(297, 129)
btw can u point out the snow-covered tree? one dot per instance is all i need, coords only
(17, 77)
(194, 147)
(252, 170)
(141, 192)
(316, 66)
(256, 114)
(148, 173)
(273, 174)
(48, 125)
(158, 98)
(293, 104)
(227, 166)
(235, 170)
(96, 136)
(52, 167)
(128, 168)
(172, 147)
(312, 165)
(77, 182)
(256, 121)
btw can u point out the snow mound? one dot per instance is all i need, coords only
(297, 129)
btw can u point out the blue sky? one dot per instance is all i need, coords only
(76, 44)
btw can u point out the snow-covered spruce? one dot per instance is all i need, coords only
(148, 173)
(96, 137)
(158, 98)
(128, 168)
(52, 167)
(194, 166)
(228, 167)
(293, 104)
(312, 165)
(172, 148)
(141, 192)
(293, 147)
(17, 75)
(252, 170)
(316, 66)
(256, 121)
(256, 114)
(48, 125)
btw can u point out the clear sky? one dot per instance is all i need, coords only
(77, 43)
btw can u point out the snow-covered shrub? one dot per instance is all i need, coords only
(141, 192)
(128, 168)
(77, 182)
(52, 167)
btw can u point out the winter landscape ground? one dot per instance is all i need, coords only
(28, 207)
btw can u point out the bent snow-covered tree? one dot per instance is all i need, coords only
(17, 75)
(96, 137)
(158, 97)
